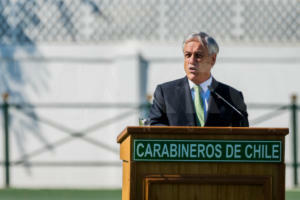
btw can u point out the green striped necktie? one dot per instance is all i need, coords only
(199, 106)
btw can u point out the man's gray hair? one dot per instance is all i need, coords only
(205, 39)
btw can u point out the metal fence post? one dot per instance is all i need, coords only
(6, 139)
(143, 76)
(294, 138)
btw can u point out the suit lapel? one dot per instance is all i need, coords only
(187, 110)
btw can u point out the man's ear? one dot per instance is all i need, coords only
(213, 59)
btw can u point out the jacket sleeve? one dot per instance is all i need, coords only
(157, 115)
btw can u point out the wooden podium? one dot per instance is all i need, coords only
(195, 163)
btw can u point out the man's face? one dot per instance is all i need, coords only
(197, 61)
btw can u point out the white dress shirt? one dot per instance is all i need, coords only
(205, 93)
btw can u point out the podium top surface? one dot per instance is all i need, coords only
(200, 130)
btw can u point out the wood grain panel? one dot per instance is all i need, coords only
(192, 180)
(162, 187)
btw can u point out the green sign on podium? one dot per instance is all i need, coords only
(207, 150)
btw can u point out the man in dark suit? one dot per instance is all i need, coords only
(198, 99)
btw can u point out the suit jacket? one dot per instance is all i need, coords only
(173, 105)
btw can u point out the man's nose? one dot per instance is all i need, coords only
(192, 59)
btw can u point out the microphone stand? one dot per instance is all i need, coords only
(228, 104)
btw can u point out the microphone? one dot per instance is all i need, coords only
(226, 102)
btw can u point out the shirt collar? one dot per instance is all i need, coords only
(203, 85)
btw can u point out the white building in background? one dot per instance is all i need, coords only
(105, 57)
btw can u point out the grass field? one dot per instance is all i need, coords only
(26, 194)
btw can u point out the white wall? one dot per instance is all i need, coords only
(71, 74)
